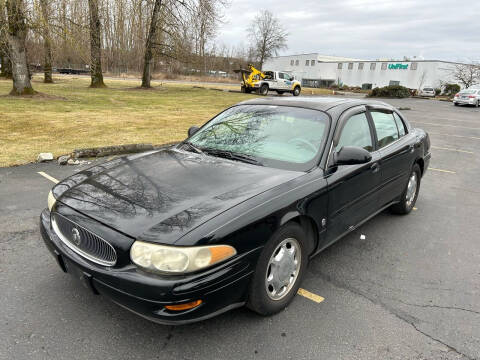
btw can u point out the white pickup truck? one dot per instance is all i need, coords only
(278, 81)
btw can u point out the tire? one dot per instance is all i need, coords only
(263, 90)
(409, 198)
(296, 91)
(280, 92)
(456, 104)
(477, 104)
(261, 298)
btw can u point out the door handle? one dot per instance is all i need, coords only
(375, 167)
(411, 148)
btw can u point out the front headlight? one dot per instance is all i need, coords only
(51, 200)
(176, 259)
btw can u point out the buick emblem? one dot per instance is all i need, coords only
(77, 239)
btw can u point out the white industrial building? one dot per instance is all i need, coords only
(316, 70)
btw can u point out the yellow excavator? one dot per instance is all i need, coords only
(254, 80)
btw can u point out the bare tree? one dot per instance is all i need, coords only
(422, 79)
(267, 35)
(47, 46)
(6, 67)
(467, 74)
(95, 46)
(17, 32)
(151, 38)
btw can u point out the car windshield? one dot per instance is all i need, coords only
(277, 136)
(428, 89)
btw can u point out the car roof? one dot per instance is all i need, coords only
(315, 102)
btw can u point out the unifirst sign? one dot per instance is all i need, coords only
(397, 66)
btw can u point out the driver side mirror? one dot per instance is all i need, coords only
(292, 78)
(193, 130)
(351, 155)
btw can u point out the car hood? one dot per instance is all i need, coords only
(160, 196)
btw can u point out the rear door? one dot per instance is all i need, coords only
(396, 149)
(352, 195)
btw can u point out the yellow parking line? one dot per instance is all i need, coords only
(441, 170)
(311, 296)
(415, 209)
(46, 176)
(449, 149)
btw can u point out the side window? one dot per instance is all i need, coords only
(312, 62)
(280, 75)
(400, 125)
(356, 132)
(386, 128)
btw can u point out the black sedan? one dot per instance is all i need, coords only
(232, 215)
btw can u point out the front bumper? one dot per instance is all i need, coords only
(220, 289)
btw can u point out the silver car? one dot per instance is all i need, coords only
(467, 97)
(427, 91)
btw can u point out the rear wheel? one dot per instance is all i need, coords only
(279, 270)
(296, 91)
(263, 90)
(410, 194)
(456, 104)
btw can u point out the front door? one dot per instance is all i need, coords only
(352, 188)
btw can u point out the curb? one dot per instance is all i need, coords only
(111, 150)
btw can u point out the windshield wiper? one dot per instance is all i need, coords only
(193, 147)
(233, 156)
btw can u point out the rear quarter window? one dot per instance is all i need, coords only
(400, 125)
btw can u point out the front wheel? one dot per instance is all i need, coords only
(264, 89)
(410, 193)
(279, 270)
(296, 91)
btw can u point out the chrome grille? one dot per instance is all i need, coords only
(84, 242)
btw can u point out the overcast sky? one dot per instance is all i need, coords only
(367, 29)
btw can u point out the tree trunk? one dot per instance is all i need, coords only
(95, 46)
(47, 62)
(152, 35)
(17, 32)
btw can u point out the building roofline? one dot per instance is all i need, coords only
(396, 61)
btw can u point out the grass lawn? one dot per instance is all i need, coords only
(68, 115)
(72, 116)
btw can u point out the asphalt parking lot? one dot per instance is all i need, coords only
(409, 290)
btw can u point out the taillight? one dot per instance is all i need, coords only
(471, 97)
(456, 95)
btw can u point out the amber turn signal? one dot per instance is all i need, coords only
(186, 306)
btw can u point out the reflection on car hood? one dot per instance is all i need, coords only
(161, 196)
